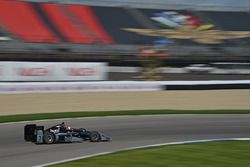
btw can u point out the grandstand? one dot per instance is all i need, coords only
(113, 32)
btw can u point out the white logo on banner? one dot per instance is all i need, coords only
(33, 71)
(41, 71)
(80, 71)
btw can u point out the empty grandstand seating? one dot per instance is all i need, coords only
(80, 24)
(20, 19)
(50, 22)
(87, 19)
(65, 25)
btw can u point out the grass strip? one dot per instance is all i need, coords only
(40, 116)
(210, 154)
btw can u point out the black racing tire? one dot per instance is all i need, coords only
(49, 138)
(95, 136)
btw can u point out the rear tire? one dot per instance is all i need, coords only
(49, 138)
(95, 136)
(29, 131)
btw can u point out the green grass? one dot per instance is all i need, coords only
(210, 154)
(30, 117)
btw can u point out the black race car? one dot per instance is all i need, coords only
(61, 133)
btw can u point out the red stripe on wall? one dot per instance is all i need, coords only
(86, 17)
(22, 20)
(65, 25)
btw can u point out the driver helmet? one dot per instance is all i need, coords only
(65, 126)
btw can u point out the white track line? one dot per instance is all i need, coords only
(61, 119)
(145, 146)
(91, 117)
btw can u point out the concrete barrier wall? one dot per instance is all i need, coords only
(118, 86)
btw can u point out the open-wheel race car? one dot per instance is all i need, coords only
(61, 133)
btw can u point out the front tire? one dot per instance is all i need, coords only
(95, 136)
(49, 138)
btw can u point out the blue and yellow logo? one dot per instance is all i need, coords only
(173, 25)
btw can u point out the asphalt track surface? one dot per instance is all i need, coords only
(126, 131)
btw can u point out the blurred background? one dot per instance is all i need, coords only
(135, 39)
(51, 50)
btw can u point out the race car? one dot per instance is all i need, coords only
(61, 133)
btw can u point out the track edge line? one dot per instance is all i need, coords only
(140, 147)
